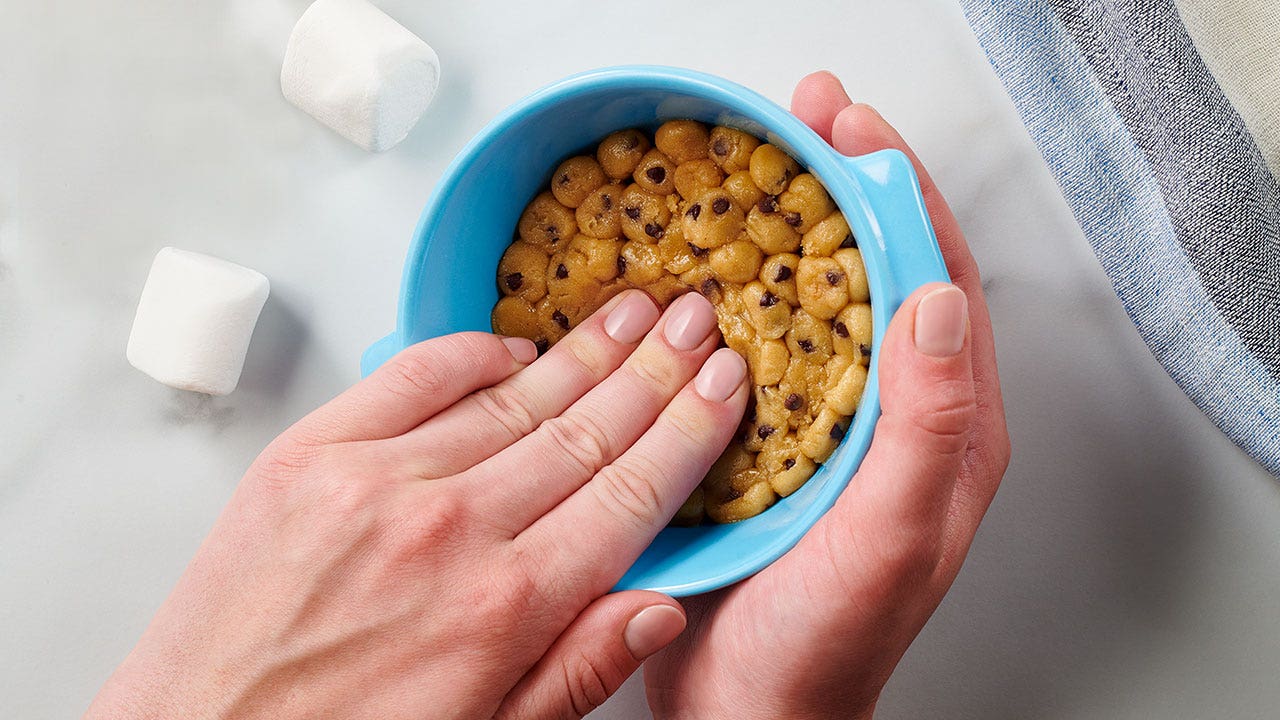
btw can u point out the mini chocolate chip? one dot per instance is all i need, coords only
(849, 241)
(841, 329)
(653, 230)
(697, 251)
(720, 148)
(720, 206)
(622, 265)
(733, 494)
(564, 179)
(788, 463)
(657, 174)
(792, 219)
(560, 319)
(709, 286)
(554, 232)
(629, 141)
(793, 401)
(864, 348)
(562, 272)
(784, 273)
(768, 204)
(764, 431)
(606, 202)
(768, 299)
(514, 281)
(632, 212)
(805, 345)
(541, 344)
(694, 211)
(834, 278)
(837, 432)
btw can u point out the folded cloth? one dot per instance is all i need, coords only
(1160, 120)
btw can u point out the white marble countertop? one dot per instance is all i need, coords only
(1129, 568)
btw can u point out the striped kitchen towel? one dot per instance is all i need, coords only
(1160, 120)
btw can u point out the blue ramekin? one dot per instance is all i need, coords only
(448, 284)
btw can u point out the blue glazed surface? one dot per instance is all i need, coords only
(448, 284)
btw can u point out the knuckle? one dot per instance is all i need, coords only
(653, 370)
(628, 489)
(586, 360)
(586, 445)
(508, 408)
(587, 684)
(416, 373)
(439, 520)
(945, 415)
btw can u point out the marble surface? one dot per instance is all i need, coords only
(1128, 568)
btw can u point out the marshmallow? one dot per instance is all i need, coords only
(358, 71)
(194, 321)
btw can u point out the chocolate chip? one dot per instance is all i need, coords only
(554, 232)
(694, 211)
(784, 273)
(541, 344)
(793, 401)
(864, 348)
(657, 174)
(719, 147)
(720, 206)
(697, 251)
(768, 299)
(709, 287)
(849, 241)
(792, 219)
(562, 272)
(606, 202)
(788, 463)
(768, 204)
(514, 281)
(805, 345)
(560, 319)
(630, 141)
(653, 230)
(837, 432)
(764, 431)
(834, 278)
(564, 179)
(841, 329)
(632, 212)
(622, 265)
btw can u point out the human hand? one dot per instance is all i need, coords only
(817, 633)
(438, 541)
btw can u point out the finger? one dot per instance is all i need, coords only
(539, 471)
(627, 503)
(859, 129)
(495, 417)
(817, 99)
(418, 382)
(594, 656)
(898, 502)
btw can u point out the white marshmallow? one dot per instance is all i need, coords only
(358, 71)
(194, 321)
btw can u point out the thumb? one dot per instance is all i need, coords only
(593, 656)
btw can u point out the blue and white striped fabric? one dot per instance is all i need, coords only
(1161, 121)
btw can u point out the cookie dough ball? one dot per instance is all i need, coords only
(644, 215)
(545, 223)
(850, 260)
(702, 280)
(575, 179)
(768, 420)
(599, 256)
(641, 263)
(742, 189)
(731, 462)
(770, 231)
(522, 272)
(731, 149)
(823, 286)
(769, 361)
(515, 316)
(655, 173)
(732, 506)
(620, 153)
(769, 314)
(571, 285)
(822, 436)
(692, 511)
(828, 236)
(712, 219)
(771, 169)
(802, 387)
(553, 323)
(666, 289)
(809, 338)
(736, 262)
(600, 214)
(695, 176)
(851, 332)
(786, 466)
(683, 140)
(778, 273)
(844, 390)
(805, 203)
(677, 253)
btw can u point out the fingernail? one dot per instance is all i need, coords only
(689, 322)
(523, 350)
(941, 317)
(634, 315)
(652, 629)
(720, 375)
